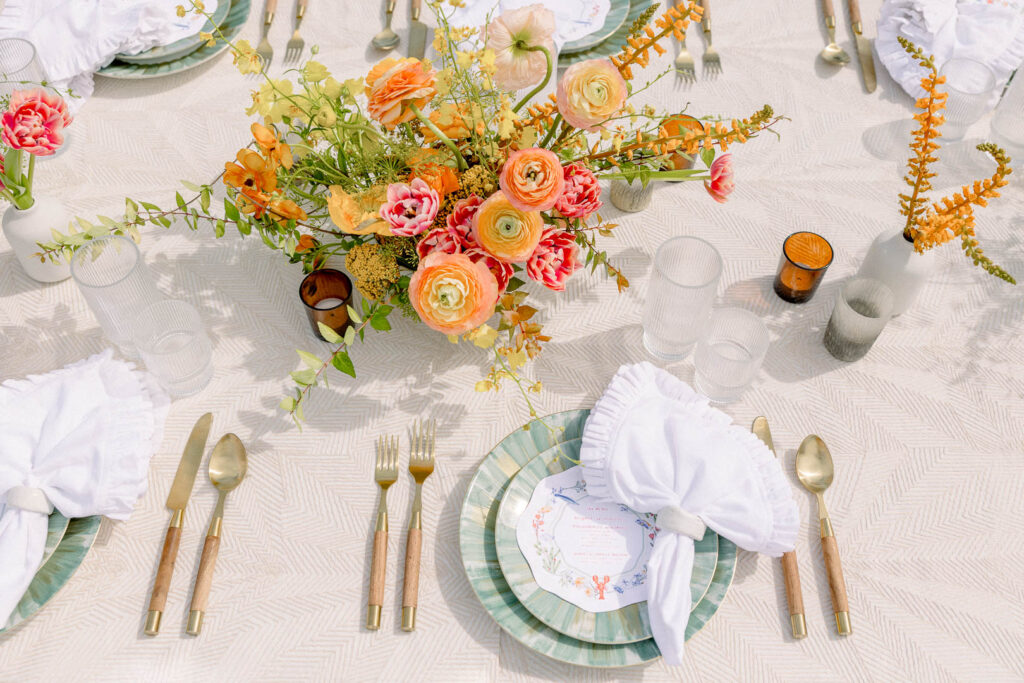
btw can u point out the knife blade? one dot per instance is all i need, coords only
(417, 33)
(177, 499)
(790, 569)
(867, 60)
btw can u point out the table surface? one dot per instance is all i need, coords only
(927, 430)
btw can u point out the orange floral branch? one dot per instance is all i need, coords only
(675, 22)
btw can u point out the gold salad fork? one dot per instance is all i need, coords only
(712, 60)
(684, 62)
(264, 50)
(293, 50)
(421, 465)
(385, 473)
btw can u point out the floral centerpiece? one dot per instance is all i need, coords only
(443, 190)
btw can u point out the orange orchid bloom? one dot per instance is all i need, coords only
(251, 173)
(274, 149)
(284, 210)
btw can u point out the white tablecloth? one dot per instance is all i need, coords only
(927, 431)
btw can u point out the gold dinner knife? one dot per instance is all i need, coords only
(417, 33)
(867, 61)
(177, 499)
(790, 569)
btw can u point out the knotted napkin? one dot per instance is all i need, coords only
(656, 445)
(79, 440)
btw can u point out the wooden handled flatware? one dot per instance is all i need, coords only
(385, 473)
(815, 470)
(177, 500)
(790, 569)
(421, 465)
(228, 465)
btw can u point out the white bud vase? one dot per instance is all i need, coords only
(891, 259)
(25, 228)
(631, 197)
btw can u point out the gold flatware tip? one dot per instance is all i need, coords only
(843, 625)
(153, 618)
(799, 626)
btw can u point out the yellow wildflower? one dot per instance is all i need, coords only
(180, 10)
(332, 88)
(314, 72)
(245, 58)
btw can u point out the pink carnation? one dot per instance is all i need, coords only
(502, 271)
(34, 122)
(554, 259)
(582, 195)
(439, 239)
(460, 220)
(721, 185)
(410, 209)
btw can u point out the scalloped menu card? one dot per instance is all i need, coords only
(590, 553)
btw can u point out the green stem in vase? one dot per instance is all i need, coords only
(520, 45)
(463, 166)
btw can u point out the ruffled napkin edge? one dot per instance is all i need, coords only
(628, 384)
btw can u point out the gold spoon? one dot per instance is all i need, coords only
(227, 469)
(832, 53)
(386, 39)
(814, 469)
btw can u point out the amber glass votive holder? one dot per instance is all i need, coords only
(805, 258)
(327, 294)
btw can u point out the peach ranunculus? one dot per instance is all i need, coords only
(590, 93)
(532, 179)
(394, 86)
(35, 121)
(517, 68)
(451, 293)
(505, 232)
(721, 185)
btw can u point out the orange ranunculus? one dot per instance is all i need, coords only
(394, 86)
(441, 178)
(284, 210)
(252, 173)
(271, 146)
(506, 232)
(451, 293)
(532, 179)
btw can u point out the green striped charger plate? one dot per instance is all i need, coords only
(613, 43)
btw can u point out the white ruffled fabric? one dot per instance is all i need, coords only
(74, 38)
(991, 33)
(78, 439)
(652, 443)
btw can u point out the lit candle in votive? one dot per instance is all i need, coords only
(330, 302)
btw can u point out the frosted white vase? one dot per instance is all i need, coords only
(631, 197)
(25, 228)
(891, 259)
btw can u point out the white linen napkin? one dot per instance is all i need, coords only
(654, 444)
(989, 32)
(78, 439)
(74, 38)
(573, 18)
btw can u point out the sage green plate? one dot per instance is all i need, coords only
(614, 20)
(628, 624)
(480, 558)
(57, 569)
(613, 43)
(238, 13)
(182, 46)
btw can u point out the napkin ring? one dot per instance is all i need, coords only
(677, 520)
(29, 498)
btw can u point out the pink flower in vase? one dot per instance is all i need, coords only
(502, 271)
(410, 209)
(721, 184)
(582, 195)
(460, 220)
(34, 122)
(554, 259)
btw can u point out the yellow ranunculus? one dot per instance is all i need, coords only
(590, 93)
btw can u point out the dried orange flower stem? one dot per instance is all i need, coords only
(675, 22)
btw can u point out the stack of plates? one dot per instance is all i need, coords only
(183, 54)
(608, 39)
(502, 579)
(67, 542)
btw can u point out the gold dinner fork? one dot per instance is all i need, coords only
(684, 62)
(293, 50)
(421, 465)
(712, 60)
(385, 473)
(264, 50)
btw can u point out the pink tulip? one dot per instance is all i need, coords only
(582, 195)
(721, 184)
(410, 209)
(554, 259)
(34, 122)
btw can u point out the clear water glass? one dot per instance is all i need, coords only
(684, 281)
(863, 307)
(1008, 120)
(115, 282)
(19, 68)
(174, 346)
(730, 354)
(969, 84)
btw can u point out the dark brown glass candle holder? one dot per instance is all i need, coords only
(327, 294)
(805, 258)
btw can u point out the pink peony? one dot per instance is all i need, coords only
(439, 239)
(410, 209)
(507, 35)
(34, 122)
(554, 259)
(460, 220)
(582, 195)
(721, 185)
(502, 271)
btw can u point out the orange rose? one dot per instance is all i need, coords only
(441, 178)
(452, 294)
(532, 179)
(395, 86)
(506, 232)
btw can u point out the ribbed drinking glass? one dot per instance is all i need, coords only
(170, 338)
(969, 85)
(684, 281)
(730, 354)
(19, 69)
(1008, 120)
